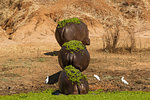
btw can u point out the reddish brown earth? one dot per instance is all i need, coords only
(28, 44)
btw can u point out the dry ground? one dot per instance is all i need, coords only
(27, 38)
(23, 68)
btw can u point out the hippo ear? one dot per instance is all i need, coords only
(87, 41)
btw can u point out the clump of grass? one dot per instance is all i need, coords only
(74, 45)
(64, 22)
(41, 59)
(74, 74)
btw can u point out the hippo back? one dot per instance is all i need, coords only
(72, 31)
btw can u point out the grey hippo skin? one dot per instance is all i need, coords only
(72, 31)
(80, 60)
(66, 86)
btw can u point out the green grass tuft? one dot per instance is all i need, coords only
(74, 74)
(41, 59)
(64, 22)
(74, 45)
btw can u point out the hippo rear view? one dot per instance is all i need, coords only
(72, 81)
(74, 53)
(72, 29)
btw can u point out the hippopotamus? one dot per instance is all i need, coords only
(79, 58)
(72, 31)
(67, 86)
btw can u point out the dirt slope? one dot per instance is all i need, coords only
(35, 21)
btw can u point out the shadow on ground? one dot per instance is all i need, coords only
(57, 92)
(53, 78)
(54, 53)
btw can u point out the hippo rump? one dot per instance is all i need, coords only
(72, 86)
(79, 58)
(72, 31)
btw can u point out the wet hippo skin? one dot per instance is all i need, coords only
(66, 86)
(72, 31)
(79, 60)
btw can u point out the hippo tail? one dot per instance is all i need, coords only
(70, 58)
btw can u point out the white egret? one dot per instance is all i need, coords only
(124, 81)
(97, 77)
(47, 80)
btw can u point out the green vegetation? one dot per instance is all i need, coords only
(64, 22)
(41, 59)
(92, 95)
(74, 45)
(74, 74)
